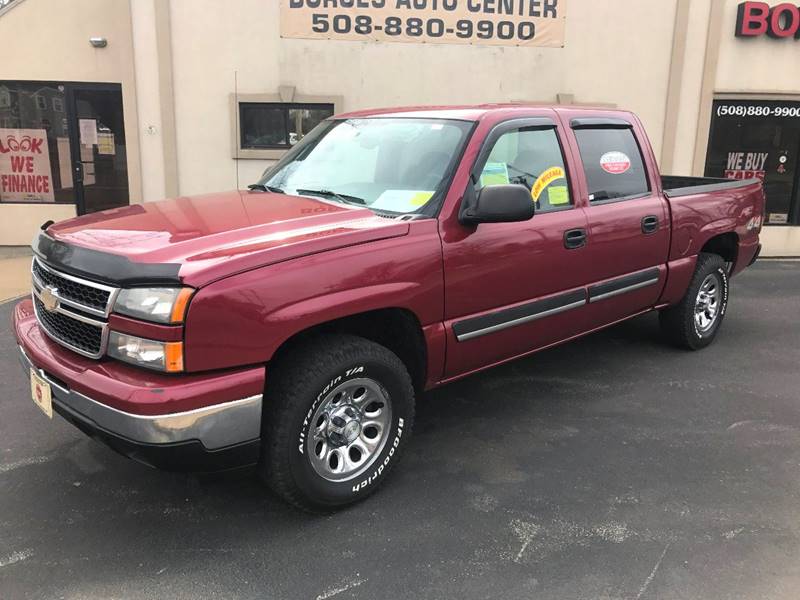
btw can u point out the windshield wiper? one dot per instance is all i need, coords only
(265, 188)
(346, 198)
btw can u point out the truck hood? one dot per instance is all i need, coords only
(216, 235)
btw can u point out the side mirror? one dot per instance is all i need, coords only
(496, 204)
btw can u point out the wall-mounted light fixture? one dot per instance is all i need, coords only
(98, 42)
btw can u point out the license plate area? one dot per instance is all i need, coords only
(41, 394)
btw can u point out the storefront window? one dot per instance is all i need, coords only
(274, 125)
(755, 138)
(35, 158)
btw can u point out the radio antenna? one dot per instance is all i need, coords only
(236, 112)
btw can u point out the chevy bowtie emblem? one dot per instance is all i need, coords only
(49, 298)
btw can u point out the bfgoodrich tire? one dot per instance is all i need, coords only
(339, 411)
(693, 323)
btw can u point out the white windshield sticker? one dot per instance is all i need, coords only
(401, 200)
(615, 163)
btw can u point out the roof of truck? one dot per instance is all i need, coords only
(471, 112)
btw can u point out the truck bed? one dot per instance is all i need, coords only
(675, 186)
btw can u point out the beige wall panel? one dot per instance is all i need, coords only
(20, 222)
(780, 241)
(604, 60)
(756, 64)
(691, 85)
(145, 54)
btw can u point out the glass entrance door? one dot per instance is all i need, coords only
(99, 161)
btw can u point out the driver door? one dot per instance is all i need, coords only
(511, 288)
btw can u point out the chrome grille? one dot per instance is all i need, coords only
(94, 298)
(80, 336)
(76, 311)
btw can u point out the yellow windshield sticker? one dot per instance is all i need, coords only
(420, 198)
(545, 179)
(494, 173)
(558, 195)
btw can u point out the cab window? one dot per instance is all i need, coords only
(531, 157)
(613, 164)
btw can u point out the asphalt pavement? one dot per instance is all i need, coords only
(611, 467)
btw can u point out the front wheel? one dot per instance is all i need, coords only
(339, 410)
(693, 323)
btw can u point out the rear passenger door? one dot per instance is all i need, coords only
(627, 217)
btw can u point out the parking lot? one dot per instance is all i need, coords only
(611, 467)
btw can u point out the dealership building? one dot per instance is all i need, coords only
(110, 103)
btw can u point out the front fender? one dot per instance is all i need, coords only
(345, 303)
(245, 318)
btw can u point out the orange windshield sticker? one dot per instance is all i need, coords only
(545, 179)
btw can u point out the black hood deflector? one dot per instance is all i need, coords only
(103, 267)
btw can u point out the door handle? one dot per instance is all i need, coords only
(649, 224)
(574, 238)
(78, 169)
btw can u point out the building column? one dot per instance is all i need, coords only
(155, 105)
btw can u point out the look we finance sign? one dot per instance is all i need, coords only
(489, 22)
(25, 166)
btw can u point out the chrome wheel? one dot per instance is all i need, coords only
(707, 304)
(349, 429)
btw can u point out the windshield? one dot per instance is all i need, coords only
(390, 164)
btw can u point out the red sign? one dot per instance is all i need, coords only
(25, 166)
(742, 174)
(759, 18)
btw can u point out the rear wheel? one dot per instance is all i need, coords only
(693, 322)
(339, 410)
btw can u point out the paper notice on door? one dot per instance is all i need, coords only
(88, 174)
(87, 153)
(105, 143)
(88, 129)
(64, 162)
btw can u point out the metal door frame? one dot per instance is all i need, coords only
(74, 139)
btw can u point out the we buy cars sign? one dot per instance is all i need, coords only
(25, 166)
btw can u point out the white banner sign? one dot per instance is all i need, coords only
(25, 166)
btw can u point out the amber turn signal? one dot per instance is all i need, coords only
(173, 357)
(180, 305)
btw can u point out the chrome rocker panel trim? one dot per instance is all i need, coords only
(214, 426)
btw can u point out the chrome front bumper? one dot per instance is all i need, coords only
(215, 427)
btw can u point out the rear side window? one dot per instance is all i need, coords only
(612, 162)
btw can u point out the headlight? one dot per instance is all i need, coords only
(162, 305)
(162, 356)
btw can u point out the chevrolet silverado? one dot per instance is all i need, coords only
(291, 325)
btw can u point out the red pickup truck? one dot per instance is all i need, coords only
(292, 325)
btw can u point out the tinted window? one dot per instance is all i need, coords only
(612, 162)
(273, 125)
(533, 158)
